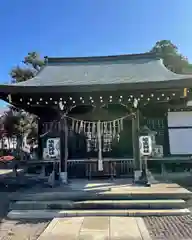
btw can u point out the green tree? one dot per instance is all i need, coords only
(20, 121)
(32, 65)
(17, 122)
(172, 59)
(21, 125)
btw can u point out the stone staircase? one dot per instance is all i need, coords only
(139, 203)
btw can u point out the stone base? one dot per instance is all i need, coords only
(64, 177)
(51, 179)
(42, 174)
(137, 176)
(151, 178)
(100, 165)
(143, 177)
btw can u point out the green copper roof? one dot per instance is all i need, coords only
(128, 70)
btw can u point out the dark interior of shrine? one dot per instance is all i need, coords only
(154, 119)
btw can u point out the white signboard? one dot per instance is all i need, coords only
(180, 119)
(53, 147)
(180, 132)
(180, 141)
(145, 145)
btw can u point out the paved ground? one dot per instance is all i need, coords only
(101, 228)
(96, 228)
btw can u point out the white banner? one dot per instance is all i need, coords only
(53, 147)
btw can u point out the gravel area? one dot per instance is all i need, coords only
(175, 227)
(169, 228)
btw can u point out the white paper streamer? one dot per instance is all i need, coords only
(91, 126)
(84, 127)
(100, 161)
(80, 126)
(77, 126)
(102, 128)
(114, 128)
(111, 128)
(73, 125)
(94, 127)
(105, 127)
(121, 124)
(9, 98)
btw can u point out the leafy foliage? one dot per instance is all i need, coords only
(19, 122)
(34, 60)
(173, 60)
(32, 65)
(19, 74)
(16, 121)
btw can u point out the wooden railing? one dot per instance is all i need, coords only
(88, 168)
(111, 168)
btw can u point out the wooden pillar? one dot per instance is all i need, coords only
(40, 141)
(62, 144)
(63, 149)
(136, 149)
(66, 144)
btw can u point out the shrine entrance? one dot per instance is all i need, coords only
(119, 147)
(100, 139)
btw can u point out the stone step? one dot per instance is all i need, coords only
(105, 195)
(99, 204)
(50, 214)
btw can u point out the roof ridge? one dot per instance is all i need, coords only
(147, 55)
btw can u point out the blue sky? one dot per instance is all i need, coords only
(90, 27)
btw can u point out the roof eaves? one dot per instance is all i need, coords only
(179, 83)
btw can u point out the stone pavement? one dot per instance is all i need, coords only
(96, 228)
(17, 230)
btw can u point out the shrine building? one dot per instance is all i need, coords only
(91, 111)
